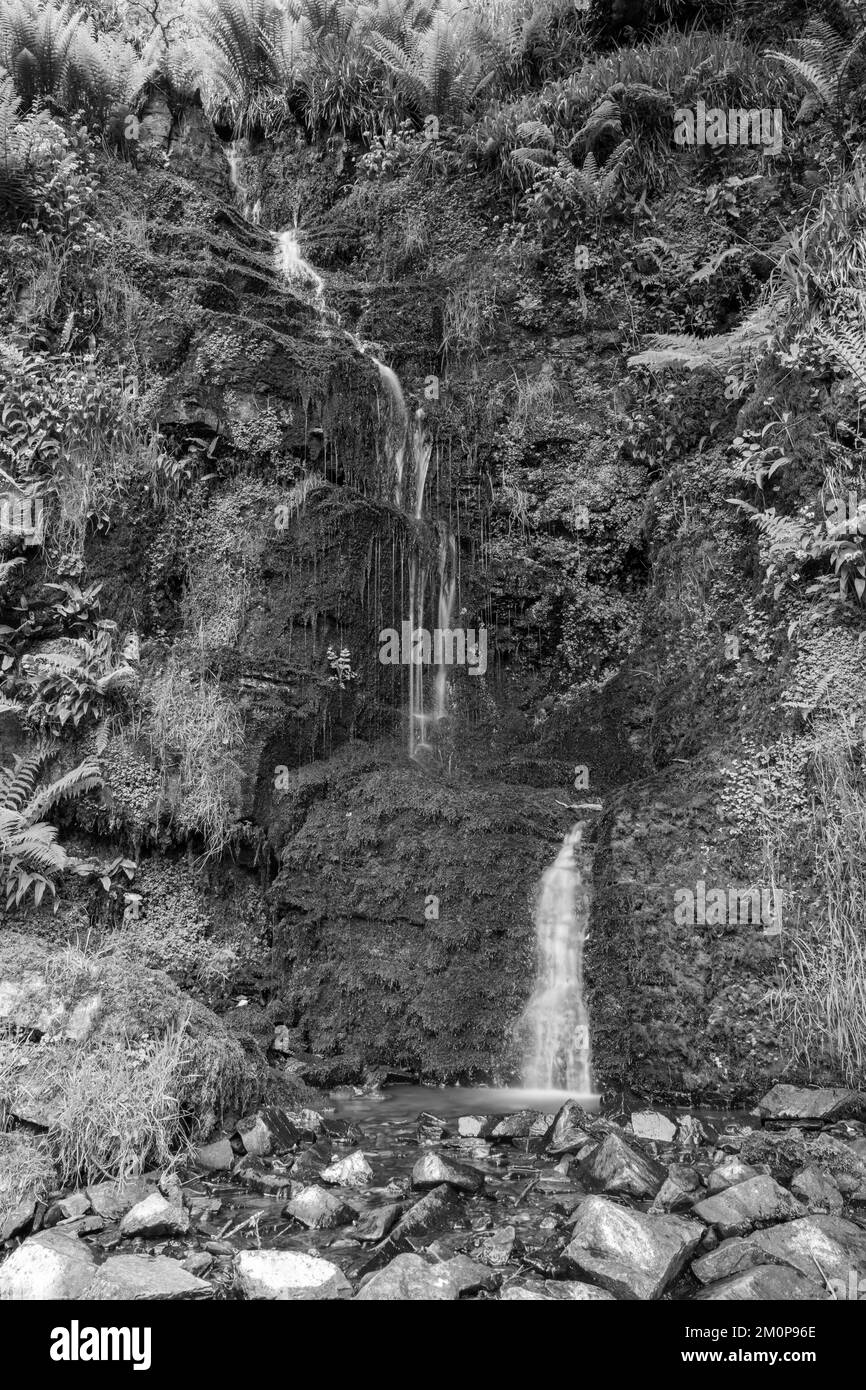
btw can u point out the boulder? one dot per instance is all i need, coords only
(469, 1276)
(690, 1132)
(733, 1256)
(318, 1209)
(373, 1226)
(808, 1107)
(435, 1211)
(757, 1202)
(216, 1157)
(728, 1174)
(274, 1179)
(430, 1129)
(569, 1131)
(520, 1125)
(17, 1219)
(630, 1254)
(432, 1169)
(49, 1266)
(818, 1191)
(155, 1216)
(146, 1278)
(269, 1131)
(308, 1123)
(651, 1124)
(309, 1163)
(820, 1247)
(69, 1208)
(472, 1126)
(555, 1291)
(618, 1167)
(341, 1131)
(409, 1278)
(771, 1283)
(498, 1247)
(351, 1171)
(282, 1275)
(677, 1192)
(113, 1199)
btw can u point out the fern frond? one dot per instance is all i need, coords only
(17, 783)
(850, 350)
(812, 74)
(84, 778)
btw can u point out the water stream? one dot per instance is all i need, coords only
(555, 1022)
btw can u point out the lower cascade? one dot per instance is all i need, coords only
(555, 1023)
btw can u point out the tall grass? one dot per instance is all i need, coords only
(121, 1112)
(822, 1001)
(823, 269)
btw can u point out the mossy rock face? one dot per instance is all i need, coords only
(405, 916)
(108, 1004)
(681, 1008)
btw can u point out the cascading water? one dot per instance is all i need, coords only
(417, 718)
(447, 598)
(396, 433)
(252, 212)
(293, 266)
(422, 450)
(555, 1024)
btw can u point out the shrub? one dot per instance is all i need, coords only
(197, 734)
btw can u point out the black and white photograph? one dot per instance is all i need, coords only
(432, 673)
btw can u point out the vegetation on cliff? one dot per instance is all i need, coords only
(642, 366)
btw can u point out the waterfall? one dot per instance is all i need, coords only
(398, 423)
(254, 213)
(555, 1023)
(417, 717)
(447, 596)
(422, 449)
(295, 269)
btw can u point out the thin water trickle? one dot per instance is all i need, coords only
(555, 1022)
(447, 599)
(399, 443)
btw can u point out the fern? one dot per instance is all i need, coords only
(436, 72)
(595, 185)
(849, 349)
(37, 41)
(719, 351)
(825, 66)
(84, 778)
(30, 854)
(246, 42)
(605, 119)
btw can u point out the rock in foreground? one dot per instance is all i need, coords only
(286, 1275)
(628, 1253)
